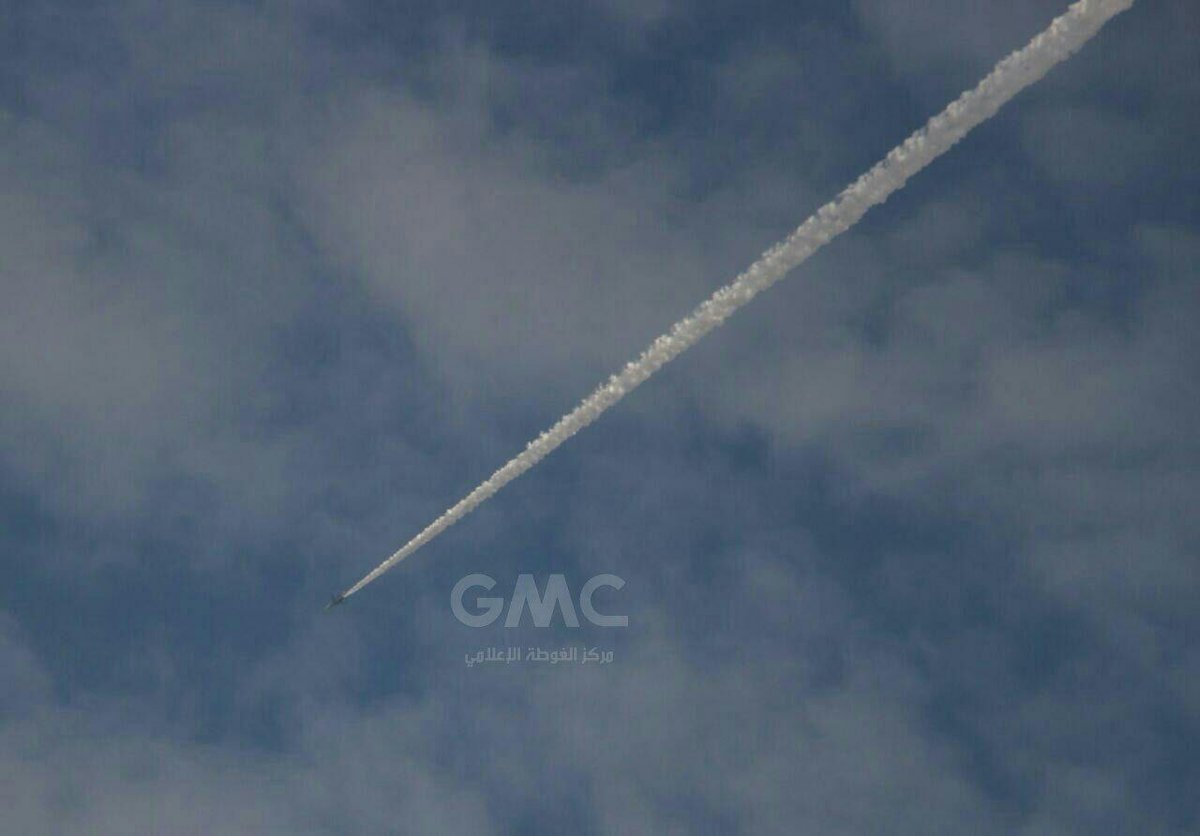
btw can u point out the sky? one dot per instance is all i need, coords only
(909, 545)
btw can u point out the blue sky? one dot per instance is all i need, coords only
(910, 544)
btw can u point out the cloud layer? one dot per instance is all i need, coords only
(282, 281)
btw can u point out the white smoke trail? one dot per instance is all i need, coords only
(1064, 36)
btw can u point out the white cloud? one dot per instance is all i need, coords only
(932, 369)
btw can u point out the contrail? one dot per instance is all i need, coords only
(1016, 72)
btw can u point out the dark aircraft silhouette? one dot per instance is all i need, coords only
(335, 600)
